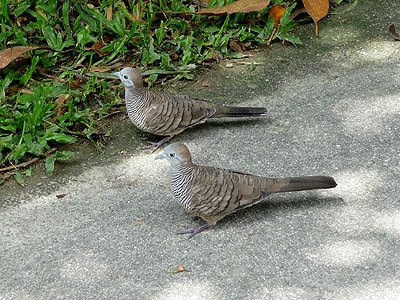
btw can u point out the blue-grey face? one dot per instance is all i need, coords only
(130, 77)
(176, 154)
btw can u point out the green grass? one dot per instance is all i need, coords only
(42, 101)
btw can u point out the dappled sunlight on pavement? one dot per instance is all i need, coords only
(85, 267)
(388, 222)
(357, 187)
(370, 116)
(189, 290)
(385, 290)
(350, 253)
(281, 293)
(377, 51)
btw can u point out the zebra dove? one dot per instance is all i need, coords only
(213, 193)
(167, 114)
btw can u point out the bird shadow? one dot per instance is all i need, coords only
(218, 124)
(282, 204)
(233, 122)
(209, 125)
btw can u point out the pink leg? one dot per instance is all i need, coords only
(154, 146)
(193, 231)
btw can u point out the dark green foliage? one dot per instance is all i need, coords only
(163, 36)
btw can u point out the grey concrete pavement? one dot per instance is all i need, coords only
(333, 110)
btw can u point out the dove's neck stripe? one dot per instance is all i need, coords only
(181, 178)
(135, 102)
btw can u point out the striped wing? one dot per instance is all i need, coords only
(216, 193)
(170, 114)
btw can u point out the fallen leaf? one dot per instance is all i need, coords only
(138, 221)
(246, 45)
(242, 6)
(109, 12)
(100, 69)
(135, 40)
(235, 45)
(393, 32)
(180, 269)
(25, 91)
(100, 44)
(60, 196)
(76, 83)
(60, 107)
(61, 100)
(317, 9)
(8, 55)
(206, 83)
(276, 12)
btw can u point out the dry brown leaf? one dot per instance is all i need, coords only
(25, 91)
(180, 269)
(76, 83)
(206, 83)
(61, 100)
(317, 9)
(100, 69)
(98, 45)
(243, 6)
(246, 45)
(393, 32)
(138, 221)
(109, 12)
(60, 108)
(8, 55)
(235, 45)
(276, 12)
(60, 196)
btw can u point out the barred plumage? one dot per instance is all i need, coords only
(135, 103)
(180, 181)
(167, 114)
(213, 193)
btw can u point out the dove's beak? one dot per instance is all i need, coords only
(117, 74)
(161, 156)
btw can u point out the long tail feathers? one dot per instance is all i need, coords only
(237, 111)
(306, 183)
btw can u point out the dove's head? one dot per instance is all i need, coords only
(176, 154)
(130, 77)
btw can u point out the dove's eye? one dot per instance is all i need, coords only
(125, 76)
(172, 154)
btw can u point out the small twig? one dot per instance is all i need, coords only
(62, 80)
(113, 113)
(27, 163)
(82, 76)
(4, 177)
(271, 37)
(165, 15)
(248, 63)
(184, 13)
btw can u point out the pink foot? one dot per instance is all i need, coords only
(154, 146)
(193, 231)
